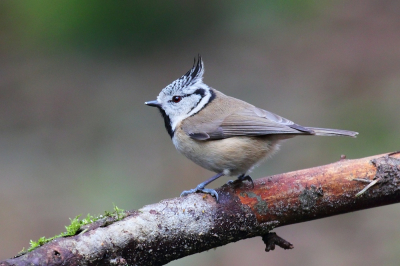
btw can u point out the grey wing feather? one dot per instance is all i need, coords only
(281, 120)
(333, 132)
(250, 122)
(199, 135)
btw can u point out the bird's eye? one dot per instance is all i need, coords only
(176, 99)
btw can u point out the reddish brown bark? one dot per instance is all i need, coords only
(174, 228)
(323, 191)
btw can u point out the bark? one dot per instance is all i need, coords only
(174, 228)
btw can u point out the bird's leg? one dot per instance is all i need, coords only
(241, 178)
(201, 187)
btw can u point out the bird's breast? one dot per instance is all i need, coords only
(237, 155)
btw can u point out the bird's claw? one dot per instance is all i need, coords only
(248, 178)
(201, 189)
(240, 179)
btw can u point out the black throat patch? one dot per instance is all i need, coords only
(167, 122)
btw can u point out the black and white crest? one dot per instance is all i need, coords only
(193, 76)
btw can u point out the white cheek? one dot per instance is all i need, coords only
(177, 113)
(184, 111)
(176, 119)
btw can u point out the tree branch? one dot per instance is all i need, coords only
(174, 228)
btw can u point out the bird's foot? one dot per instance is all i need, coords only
(201, 189)
(240, 179)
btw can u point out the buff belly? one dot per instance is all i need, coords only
(232, 156)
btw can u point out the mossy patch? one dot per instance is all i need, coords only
(74, 227)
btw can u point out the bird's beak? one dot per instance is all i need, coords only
(154, 103)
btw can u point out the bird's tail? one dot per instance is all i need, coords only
(332, 132)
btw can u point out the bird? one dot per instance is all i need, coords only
(223, 134)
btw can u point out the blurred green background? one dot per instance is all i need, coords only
(76, 137)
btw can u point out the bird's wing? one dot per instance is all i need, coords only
(247, 122)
